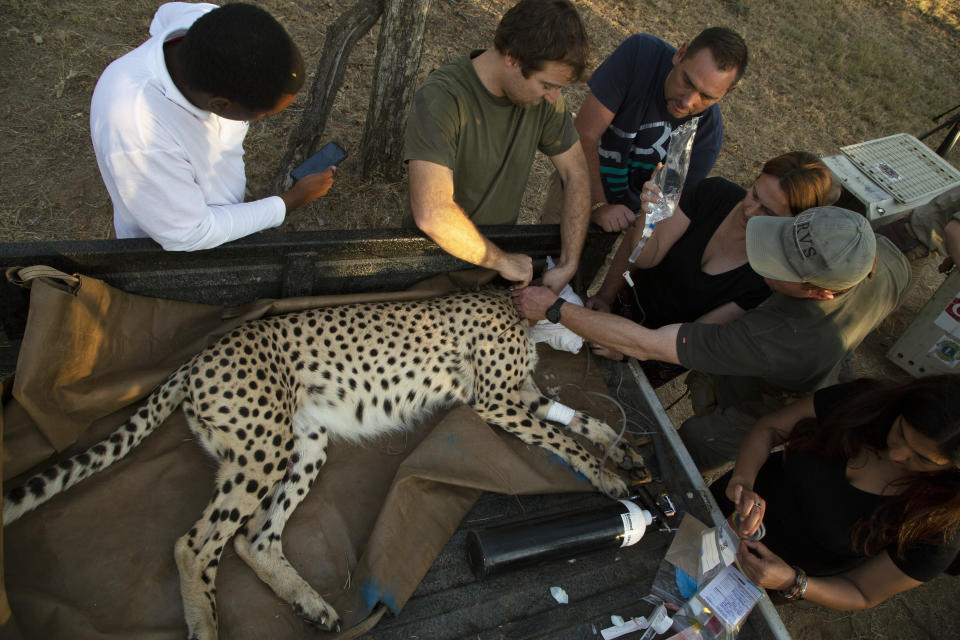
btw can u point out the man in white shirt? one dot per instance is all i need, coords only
(168, 121)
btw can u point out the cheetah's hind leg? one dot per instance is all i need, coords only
(259, 542)
(198, 552)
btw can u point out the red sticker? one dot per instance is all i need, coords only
(953, 309)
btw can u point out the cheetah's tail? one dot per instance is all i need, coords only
(60, 477)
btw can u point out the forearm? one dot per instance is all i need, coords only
(439, 216)
(621, 334)
(754, 451)
(592, 157)
(158, 193)
(576, 209)
(211, 226)
(453, 232)
(614, 281)
(766, 433)
(837, 592)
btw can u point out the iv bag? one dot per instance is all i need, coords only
(670, 180)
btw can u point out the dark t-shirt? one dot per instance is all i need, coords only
(677, 289)
(630, 83)
(812, 508)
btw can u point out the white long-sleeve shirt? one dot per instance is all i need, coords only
(174, 172)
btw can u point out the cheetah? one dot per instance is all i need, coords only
(265, 400)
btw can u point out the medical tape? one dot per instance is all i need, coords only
(560, 413)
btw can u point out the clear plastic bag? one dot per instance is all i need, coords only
(670, 180)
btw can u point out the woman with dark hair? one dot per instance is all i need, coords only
(864, 500)
(694, 267)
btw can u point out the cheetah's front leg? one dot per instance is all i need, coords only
(596, 431)
(517, 419)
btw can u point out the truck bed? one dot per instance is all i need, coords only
(450, 602)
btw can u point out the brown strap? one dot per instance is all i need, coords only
(24, 277)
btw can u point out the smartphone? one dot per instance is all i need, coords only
(331, 154)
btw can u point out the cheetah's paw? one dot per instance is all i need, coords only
(317, 612)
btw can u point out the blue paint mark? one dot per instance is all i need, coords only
(374, 592)
(452, 440)
(554, 458)
(685, 583)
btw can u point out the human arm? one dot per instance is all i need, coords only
(156, 194)
(591, 121)
(159, 192)
(575, 216)
(664, 237)
(611, 331)
(723, 314)
(438, 216)
(952, 233)
(766, 433)
(863, 587)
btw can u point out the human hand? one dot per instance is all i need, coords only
(946, 265)
(516, 267)
(308, 188)
(750, 506)
(763, 567)
(598, 304)
(651, 194)
(558, 277)
(533, 302)
(613, 217)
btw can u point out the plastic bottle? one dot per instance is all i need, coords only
(619, 524)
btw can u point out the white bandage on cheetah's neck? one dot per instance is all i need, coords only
(560, 413)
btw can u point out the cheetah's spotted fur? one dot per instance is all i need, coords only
(266, 398)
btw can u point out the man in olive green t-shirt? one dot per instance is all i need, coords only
(473, 131)
(833, 280)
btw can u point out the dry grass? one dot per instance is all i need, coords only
(823, 74)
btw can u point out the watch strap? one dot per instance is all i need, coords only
(553, 312)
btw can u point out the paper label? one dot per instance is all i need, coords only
(717, 549)
(949, 318)
(730, 596)
(635, 522)
(946, 350)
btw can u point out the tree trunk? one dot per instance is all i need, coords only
(340, 39)
(398, 58)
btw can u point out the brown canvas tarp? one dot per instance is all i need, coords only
(97, 562)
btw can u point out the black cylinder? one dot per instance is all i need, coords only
(518, 544)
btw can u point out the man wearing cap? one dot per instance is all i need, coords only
(833, 280)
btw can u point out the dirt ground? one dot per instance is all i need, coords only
(823, 74)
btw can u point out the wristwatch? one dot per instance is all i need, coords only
(553, 312)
